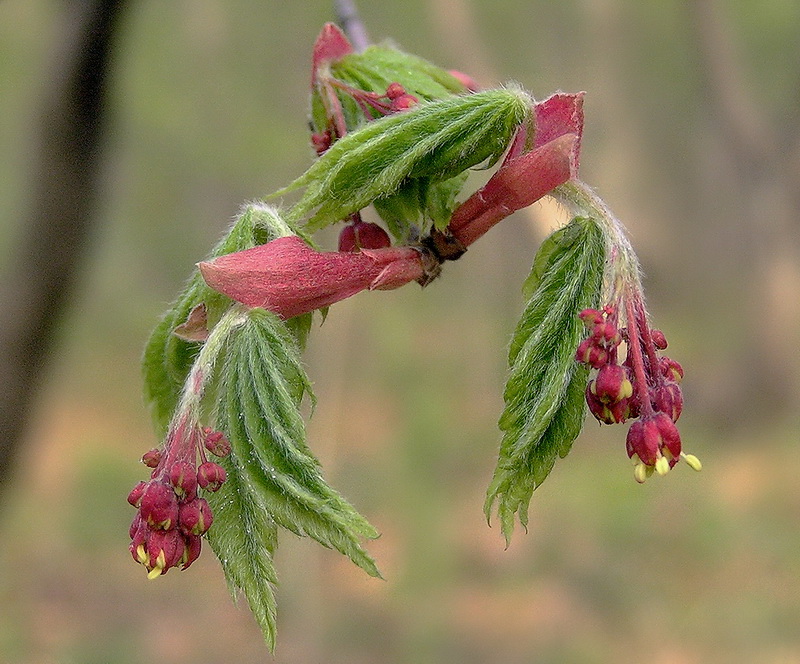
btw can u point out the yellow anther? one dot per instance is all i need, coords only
(141, 554)
(662, 466)
(625, 390)
(161, 563)
(692, 461)
(640, 473)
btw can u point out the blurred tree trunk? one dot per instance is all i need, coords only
(42, 272)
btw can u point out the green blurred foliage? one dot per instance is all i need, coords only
(209, 110)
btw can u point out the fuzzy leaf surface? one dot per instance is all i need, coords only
(436, 140)
(544, 394)
(168, 358)
(274, 478)
(372, 71)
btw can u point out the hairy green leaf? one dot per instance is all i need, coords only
(545, 388)
(372, 71)
(418, 204)
(379, 65)
(436, 140)
(274, 479)
(167, 357)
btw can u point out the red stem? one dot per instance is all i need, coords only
(635, 349)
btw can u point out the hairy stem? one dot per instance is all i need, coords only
(623, 266)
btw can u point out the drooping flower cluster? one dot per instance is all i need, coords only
(645, 385)
(171, 516)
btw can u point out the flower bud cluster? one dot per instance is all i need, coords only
(645, 385)
(171, 517)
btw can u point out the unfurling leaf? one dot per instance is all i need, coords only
(273, 477)
(436, 140)
(545, 388)
(373, 71)
(168, 357)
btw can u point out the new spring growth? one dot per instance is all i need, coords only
(395, 160)
(172, 515)
(645, 385)
(398, 135)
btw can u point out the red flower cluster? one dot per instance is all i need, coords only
(171, 517)
(645, 385)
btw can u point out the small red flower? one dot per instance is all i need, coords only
(170, 517)
(211, 476)
(644, 386)
(362, 235)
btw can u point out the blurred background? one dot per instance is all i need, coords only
(692, 136)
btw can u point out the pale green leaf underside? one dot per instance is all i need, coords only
(274, 479)
(544, 393)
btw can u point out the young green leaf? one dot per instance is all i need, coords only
(545, 388)
(418, 204)
(379, 65)
(273, 477)
(167, 357)
(372, 71)
(435, 140)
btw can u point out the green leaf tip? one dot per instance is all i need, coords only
(434, 141)
(544, 393)
(273, 477)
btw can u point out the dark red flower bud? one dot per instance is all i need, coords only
(591, 317)
(606, 333)
(653, 438)
(670, 437)
(612, 384)
(152, 458)
(659, 340)
(669, 400)
(590, 353)
(137, 548)
(395, 90)
(363, 235)
(322, 141)
(183, 476)
(404, 102)
(607, 413)
(135, 496)
(216, 442)
(164, 549)
(671, 370)
(210, 476)
(195, 517)
(643, 440)
(192, 552)
(159, 505)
